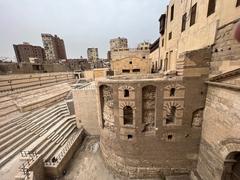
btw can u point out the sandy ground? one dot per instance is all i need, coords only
(87, 163)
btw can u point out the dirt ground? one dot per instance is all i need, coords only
(87, 163)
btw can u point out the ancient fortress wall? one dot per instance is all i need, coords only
(151, 127)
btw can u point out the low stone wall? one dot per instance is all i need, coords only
(56, 170)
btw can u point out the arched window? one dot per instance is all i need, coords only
(126, 93)
(172, 92)
(127, 115)
(171, 116)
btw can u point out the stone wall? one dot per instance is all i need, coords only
(86, 109)
(225, 51)
(133, 65)
(149, 146)
(220, 144)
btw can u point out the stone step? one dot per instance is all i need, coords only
(43, 138)
(17, 150)
(50, 154)
(9, 136)
(11, 141)
(6, 104)
(44, 121)
(54, 121)
(8, 128)
(8, 110)
(42, 116)
(15, 145)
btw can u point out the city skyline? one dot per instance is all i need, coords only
(80, 27)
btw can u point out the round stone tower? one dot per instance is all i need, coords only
(150, 127)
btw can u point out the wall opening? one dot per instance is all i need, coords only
(193, 14)
(172, 92)
(148, 108)
(130, 136)
(127, 115)
(170, 136)
(106, 99)
(211, 7)
(126, 71)
(231, 169)
(171, 116)
(126, 93)
(197, 118)
(136, 70)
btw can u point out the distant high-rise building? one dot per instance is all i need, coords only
(118, 43)
(54, 47)
(28, 53)
(92, 54)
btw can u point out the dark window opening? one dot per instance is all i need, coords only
(162, 42)
(130, 62)
(171, 116)
(193, 14)
(184, 21)
(130, 136)
(127, 115)
(144, 57)
(172, 92)
(162, 24)
(211, 7)
(126, 71)
(170, 36)
(126, 93)
(238, 3)
(136, 70)
(170, 137)
(172, 13)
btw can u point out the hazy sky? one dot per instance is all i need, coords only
(81, 23)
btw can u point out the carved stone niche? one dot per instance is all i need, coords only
(173, 113)
(197, 118)
(126, 92)
(174, 90)
(107, 107)
(148, 108)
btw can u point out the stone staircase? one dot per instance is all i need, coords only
(43, 131)
(11, 105)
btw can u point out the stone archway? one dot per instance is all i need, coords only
(231, 169)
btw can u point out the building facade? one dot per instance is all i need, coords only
(144, 45)
(54, 47)
(92, 54)
(28, 53)
(130, 61)
(189, 25)
(118, 43)
(156, 66)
